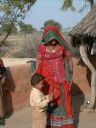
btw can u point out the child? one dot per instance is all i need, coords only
(39, 102)
(2, 81)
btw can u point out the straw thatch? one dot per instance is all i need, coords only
(84, 36)
(87, 26)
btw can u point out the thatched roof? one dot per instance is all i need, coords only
(87, 26)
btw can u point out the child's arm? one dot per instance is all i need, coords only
(50, 97)
(36, 100)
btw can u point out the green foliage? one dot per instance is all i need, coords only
(92, 2)
(5, 8)
(69, 4)
(5, 27)
(13, 11)
(26, 28)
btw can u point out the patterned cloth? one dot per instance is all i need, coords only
(55, 67)
(55, 61)
(61, 116)
(60, 122)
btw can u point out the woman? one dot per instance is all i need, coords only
(54, 62)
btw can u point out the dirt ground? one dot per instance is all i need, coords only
(22, 118)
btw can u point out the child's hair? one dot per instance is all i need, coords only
(36, 78)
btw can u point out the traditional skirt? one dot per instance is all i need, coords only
(61, 116)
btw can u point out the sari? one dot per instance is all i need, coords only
(54, 66)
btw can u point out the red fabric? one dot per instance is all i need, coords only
(50, 85)
(65, 126)
(55, 29)
(54, 72)
(60, 119)
(41, 52)
(52, 66)
(67, 98)
(55, 62)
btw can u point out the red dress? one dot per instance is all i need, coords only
(52, 66)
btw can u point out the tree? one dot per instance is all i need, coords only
(53, 23)
(69, 4)
(26, 28)
(5, 26)
(13, 11)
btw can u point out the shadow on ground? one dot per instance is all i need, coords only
(77, 101)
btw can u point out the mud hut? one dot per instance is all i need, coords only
(83, 36)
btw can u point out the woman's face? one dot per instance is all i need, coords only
(53, 42)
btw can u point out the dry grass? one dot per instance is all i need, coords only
(20, 46)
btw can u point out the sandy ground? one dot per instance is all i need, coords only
(22, 118)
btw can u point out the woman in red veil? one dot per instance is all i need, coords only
(55, 63)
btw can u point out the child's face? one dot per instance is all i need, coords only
(40, 85)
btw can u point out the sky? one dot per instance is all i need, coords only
(51, 9)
